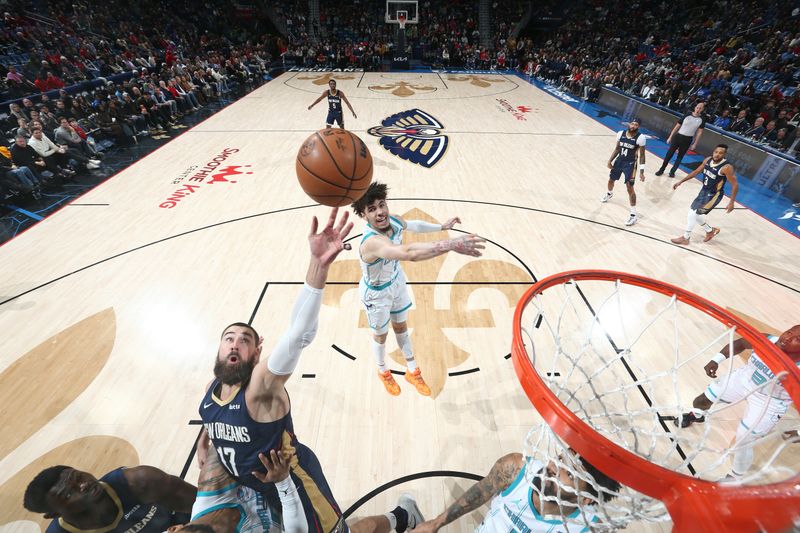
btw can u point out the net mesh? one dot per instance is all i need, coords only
(629, 362)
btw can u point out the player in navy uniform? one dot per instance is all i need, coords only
(716, 172)
(335, 99)
(628, 149)
(246, 410)
(142, 499)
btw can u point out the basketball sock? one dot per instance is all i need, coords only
(633, 210)
(698, 413)
(691, 220)
(742, 460)
(404, 341)
(398, 519)
(380, 354)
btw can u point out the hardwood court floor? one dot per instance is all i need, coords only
(111, 313)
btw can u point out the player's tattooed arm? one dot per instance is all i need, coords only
(500, 477)
(213, 476)
(613, 155)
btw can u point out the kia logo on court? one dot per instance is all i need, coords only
(200, 178)
(518, 112)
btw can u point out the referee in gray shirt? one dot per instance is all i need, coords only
(680, 138)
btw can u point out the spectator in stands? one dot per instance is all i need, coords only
(27, 106)
(55, 157)
(782, 140)
(770, 132)
(740, 125)
(17, 112)
(757, 131)
(22, 128)
(48, 119)
(25, 156)
(724, 120)
(650, 91)
(65, 135)
(16, 179)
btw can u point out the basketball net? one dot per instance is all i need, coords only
(611, 361)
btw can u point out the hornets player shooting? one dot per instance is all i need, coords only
(246, 410)
(335, 98)
(628, 149)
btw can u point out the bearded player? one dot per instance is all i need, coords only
(628, 150)
(246, 409)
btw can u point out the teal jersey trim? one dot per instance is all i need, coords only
(235, 506)
(514, 483)
(381, 286)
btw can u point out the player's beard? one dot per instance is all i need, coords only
(234, 374)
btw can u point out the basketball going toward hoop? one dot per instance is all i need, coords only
(334, 167)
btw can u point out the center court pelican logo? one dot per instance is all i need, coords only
(414, 136)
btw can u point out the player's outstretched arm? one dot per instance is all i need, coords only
(317, 101)
(346, 101)
(500, 477)
(269, 376)
(731, 175)
(420, 251)
(277, 464)
(153, 486)
(729, 350)
(420, 226)
(693, 173)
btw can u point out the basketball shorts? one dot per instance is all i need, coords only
(624, 171)
(255, 515)
(334, 118)
(762, 411)
(706, 201)
(385, 302)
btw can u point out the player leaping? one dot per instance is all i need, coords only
(628, 149)
(765, 405)
(383, 284)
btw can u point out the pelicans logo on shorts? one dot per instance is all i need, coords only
(413, 135)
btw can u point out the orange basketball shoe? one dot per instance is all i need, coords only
(415, 378)
(388, 381)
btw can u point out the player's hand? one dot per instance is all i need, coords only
(669, 140)
(469, 245)
(730, 207)
(692, 147)
(676, 185)
(641, 176)
(792, 435)
(430, 526)
(277, 465)
(327, 244)
(609, 165)
(711, 369)
(354, 114)
(451, 222)
(309, 107)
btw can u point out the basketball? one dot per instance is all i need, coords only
(334, 167)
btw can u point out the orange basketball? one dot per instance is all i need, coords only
(334, 167)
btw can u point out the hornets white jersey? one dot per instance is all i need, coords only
(255, 515)
(760, 373)
(382, 272)
(512, 511)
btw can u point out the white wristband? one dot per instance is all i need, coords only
(720, 357)
(641, 167)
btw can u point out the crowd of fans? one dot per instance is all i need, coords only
(145, 65)
(741, 57)
(142, 82)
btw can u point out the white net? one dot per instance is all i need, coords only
(629, 362)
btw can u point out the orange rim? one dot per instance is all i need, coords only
(692, 503)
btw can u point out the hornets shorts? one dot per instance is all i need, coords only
(334, 118)
(255, 516)
(706, 201)
(383, 303)
(626, 172)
